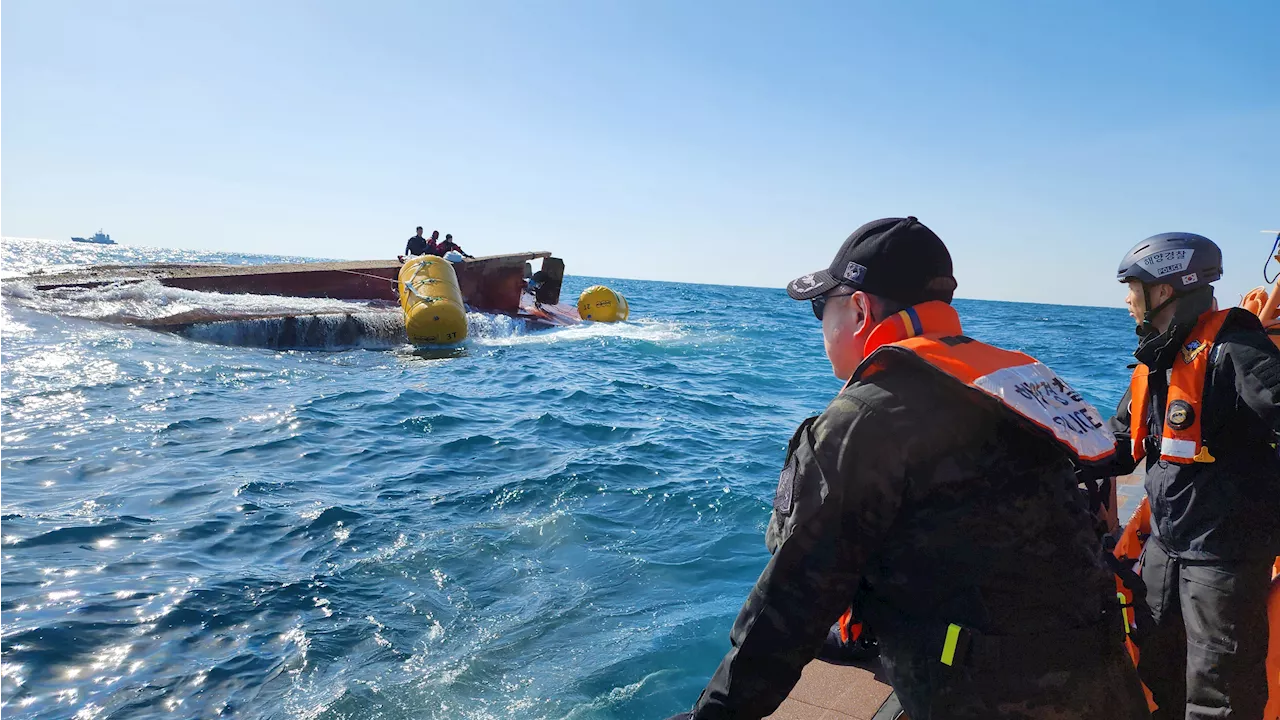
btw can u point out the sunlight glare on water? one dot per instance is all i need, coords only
(548, 525)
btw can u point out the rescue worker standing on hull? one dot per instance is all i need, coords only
(939, 484)
(1201, 415)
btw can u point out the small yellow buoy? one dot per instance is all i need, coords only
(433, 309)
(600, 304)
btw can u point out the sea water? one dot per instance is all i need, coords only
(549, 524)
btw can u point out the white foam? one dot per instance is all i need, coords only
(616, 697)
(484, 330)
(248, 320)
(484, 327)
(149, 302)
(644, 330)
(10, 327)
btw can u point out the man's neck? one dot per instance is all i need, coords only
(1172, 325)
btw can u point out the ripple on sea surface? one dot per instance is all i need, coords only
(550, 525)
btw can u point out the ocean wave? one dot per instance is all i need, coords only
(652, 331)
(542, 524)
(11, 327)
(285, 323)
(150, 303)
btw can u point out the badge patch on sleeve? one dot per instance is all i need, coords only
(786, 485)
(1181, 415)
(1191, 350)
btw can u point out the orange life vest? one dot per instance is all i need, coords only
(931, 331)
(850, 626)
(1128, 550)
(1182, 441)
(1136, 532)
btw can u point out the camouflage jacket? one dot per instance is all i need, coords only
(939, 508)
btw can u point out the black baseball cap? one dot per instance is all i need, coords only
(895, 258)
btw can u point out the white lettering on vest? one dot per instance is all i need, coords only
(1036, 393)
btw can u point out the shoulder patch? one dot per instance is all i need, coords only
(1191, 350)
(786, 485)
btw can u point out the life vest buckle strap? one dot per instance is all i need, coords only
(1124, 605)
(1204, 456)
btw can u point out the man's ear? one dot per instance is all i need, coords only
(863, 305)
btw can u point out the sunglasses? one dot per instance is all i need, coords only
(820, 302)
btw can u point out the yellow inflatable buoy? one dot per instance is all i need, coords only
(433, 309)
(600, 304)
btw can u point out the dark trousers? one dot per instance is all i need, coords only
(1205, 654)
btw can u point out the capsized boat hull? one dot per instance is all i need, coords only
(382, 326)
(548, 315)
(494, 285)
(489, 284)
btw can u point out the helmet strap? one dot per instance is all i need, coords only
(1146, 328)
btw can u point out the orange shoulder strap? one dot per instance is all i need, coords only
(1024, 386)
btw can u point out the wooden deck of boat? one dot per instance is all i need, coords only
(834, 692)
(849, 692)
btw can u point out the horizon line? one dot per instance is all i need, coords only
(607, 277)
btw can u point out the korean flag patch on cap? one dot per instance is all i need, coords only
(855, 273)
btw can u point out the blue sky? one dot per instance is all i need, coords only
(723, 142)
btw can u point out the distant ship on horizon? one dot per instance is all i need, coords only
(99, 238)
